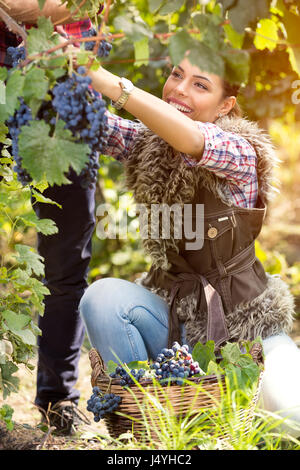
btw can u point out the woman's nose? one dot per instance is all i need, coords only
(182, 88)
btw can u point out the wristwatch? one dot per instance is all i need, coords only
(127, 87)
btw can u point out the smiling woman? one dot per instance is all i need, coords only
(193, 147)
(198, 94)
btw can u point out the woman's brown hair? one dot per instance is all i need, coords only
(232, 90)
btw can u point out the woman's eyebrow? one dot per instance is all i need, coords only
(196, 76)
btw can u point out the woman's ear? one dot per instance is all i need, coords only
(227, 105)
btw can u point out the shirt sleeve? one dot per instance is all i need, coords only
(121, 135)
(226, 154)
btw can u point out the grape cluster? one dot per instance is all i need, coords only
(101, 404)
(75, 103)
(175, 364)
(126, 379)
(104, 46)
(16, 55)
(84, 115)
(21, 117)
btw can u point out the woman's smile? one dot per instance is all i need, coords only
(183, 107)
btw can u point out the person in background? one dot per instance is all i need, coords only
(67, 253)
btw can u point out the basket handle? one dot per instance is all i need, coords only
(97, 364)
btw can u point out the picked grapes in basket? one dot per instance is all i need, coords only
(121, 391)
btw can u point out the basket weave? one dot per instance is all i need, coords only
(182, 398)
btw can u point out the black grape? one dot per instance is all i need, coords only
(127, 379)
(175, 364)
(84, 115)
(16, 55)
(101, 404)
(21, 117)
(104, 46)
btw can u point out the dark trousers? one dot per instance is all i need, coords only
(66, 256)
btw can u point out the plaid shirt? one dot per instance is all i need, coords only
(226, 154)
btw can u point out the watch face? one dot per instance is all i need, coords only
(126, 84)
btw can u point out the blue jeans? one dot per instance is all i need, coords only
(125, 321)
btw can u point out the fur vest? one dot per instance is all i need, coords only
(157, 174)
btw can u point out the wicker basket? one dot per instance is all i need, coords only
(178, 399)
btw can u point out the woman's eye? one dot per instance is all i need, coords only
(200, 85)
(175, 74)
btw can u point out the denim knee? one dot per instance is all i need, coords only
(93, 300)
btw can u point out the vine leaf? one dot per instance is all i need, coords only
(245, 13)
(33, 261)
(204, 354)
(45, 226)
(14, 89)
(267, 34)
(171, 7)
(8, 382)
(39, 39)
(49, 157)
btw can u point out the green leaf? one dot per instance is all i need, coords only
(154, 5)
(266, 35)
(244, 13)
(15, 321)
(39, 197)
(2, 92)
(207, 59)
(214, 369)
(134, 31)
(234, 375)
(31, 259)
(138, 365)
(3, 73)
(36, 84)
(179, 44)
(111, 367)
(141, 52)
(211, 32)
(6, 413)
(236, 39)
(291, 24)
(8, 383)
(231, 352)
(39, 38)
(14, 89)
(26, 336)
(204, 354)
(171, 7)
(44, 226)
(3, 132)
(56, 154)
(237, 65)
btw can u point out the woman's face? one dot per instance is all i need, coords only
(196, 94)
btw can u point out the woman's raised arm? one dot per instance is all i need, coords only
(181, 132)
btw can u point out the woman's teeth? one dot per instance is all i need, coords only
(180, 107)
